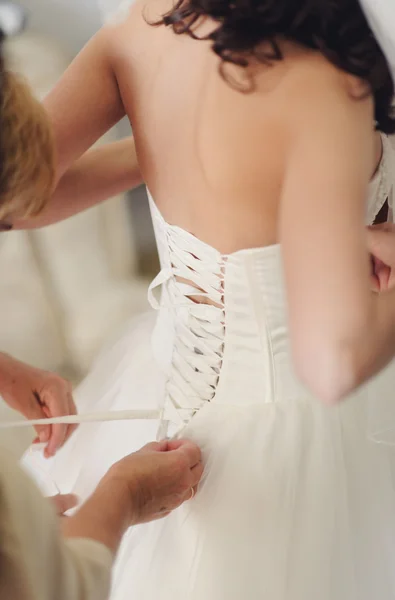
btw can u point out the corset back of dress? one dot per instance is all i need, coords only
(229, 344)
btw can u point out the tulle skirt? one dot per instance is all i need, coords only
(296, 503)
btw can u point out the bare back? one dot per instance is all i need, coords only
(212, 155)
(288, 160)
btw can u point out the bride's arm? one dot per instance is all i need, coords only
(99, 174)
(341, 333)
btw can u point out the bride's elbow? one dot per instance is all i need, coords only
(331, 372)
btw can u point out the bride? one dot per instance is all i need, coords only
(254, 130)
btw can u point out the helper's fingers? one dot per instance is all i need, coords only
(156, 447)
(390, 227)
(36, 409)
(58, 437)
(56, 401)
(381, 274)
(189, 449)
(197, 473)
(72, 411)
(64, 502)
(381, 245)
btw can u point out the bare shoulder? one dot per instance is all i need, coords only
(311, 92)
(314, 88)
(131, 14)
(129, 27)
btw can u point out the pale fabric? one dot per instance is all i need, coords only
(36, 563)
(297, 501)
(114, 11)
(381, 17)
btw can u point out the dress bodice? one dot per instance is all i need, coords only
(234, 349)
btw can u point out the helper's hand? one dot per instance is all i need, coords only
(381, 245)
(63, 503)
(142, 487)
(38, 394)
(159, 478)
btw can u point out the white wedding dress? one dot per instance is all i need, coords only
(297, 500)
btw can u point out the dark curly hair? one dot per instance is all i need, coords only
(336, 28)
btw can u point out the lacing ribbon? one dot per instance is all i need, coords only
(95, 417)
(198, 344)
(98, 417)
(195, 367)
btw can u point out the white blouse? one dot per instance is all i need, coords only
(36, 562)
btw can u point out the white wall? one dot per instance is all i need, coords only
(71, 22)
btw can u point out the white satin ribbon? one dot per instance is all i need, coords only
(97, 417)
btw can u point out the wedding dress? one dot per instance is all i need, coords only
(297, 500)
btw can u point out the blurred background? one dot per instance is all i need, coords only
(66, 289)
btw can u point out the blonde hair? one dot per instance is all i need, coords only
(27, 169)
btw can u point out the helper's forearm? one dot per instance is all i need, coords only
(104, 517)
(98, 175)
(7, 367)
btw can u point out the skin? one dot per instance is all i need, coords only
(258, 147)
(381, 243)
(37, 394)
(147, 484)
(99, 174)
(63, 503)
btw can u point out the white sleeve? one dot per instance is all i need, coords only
(36, 563)
(382, 186)
(113, 11)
